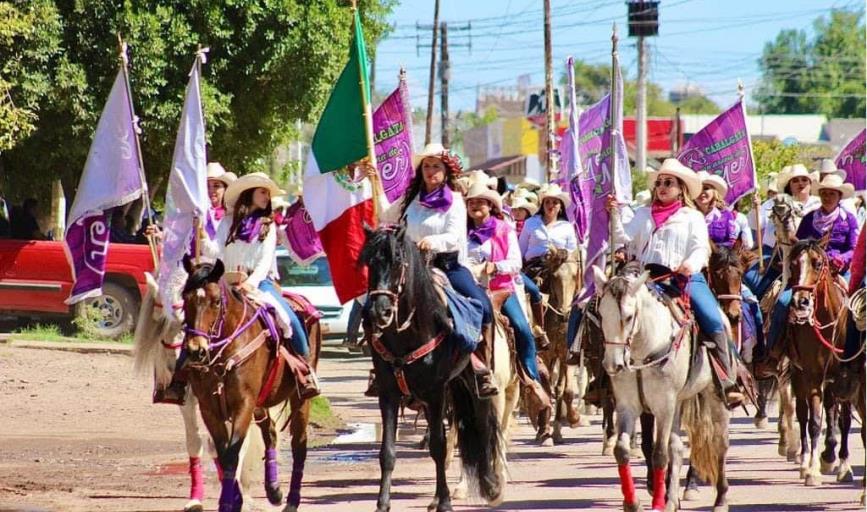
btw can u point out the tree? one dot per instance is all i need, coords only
(271, 62)
(698, 104)
(824, 74)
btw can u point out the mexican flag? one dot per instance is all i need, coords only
(339, 199)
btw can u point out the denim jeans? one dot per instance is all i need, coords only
(532, 288)
(575, 316)
(778, 317)
(462, 281)
(752, 277)
(524, 341)
(705, 305)
(299, 335)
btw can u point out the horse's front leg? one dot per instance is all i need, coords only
(647, 427)
(664, 421)
(844, 473)
(814, 476)
(228, 451)
(675, 447)
(195, 450)
(269, 437)
(388, 404)
(622, 452)
(803, 413)
(298, 421)
(442, 497)
(829, 462)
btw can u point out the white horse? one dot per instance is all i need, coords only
(157, 336)
(648, 355)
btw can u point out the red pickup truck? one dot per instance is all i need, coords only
(35, 279)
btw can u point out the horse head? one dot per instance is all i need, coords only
(784, 214)
(385, 253)
(809, 267)
(204, 307)
(620, 308)
(561, 273)
(726, 271)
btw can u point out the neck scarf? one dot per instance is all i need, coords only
(484, 232)
(250, 226)
(822, 221)
(661, 213)
(440, 199)
(218, 213)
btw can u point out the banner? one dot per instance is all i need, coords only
(111, 177)
(851, 160)
(723, 148)
(392, 135)
(596, 182)
(570, 163)
(303, 240)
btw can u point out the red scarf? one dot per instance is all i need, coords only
(661, 212)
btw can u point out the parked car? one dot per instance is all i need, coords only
(35, 279)
(314, 282)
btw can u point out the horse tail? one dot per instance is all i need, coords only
(480, 441)
(706, 421)
(148, 351)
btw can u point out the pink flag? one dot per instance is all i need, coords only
(392, 135)
(851, 160)
(570, 162)
(302, 239)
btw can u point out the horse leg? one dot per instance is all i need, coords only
(675, 448)
(814, 476)
(608, 426)
(190, 414)
(460, 491)
(299, 418)
(690, 492)
(789, 437)
(438, 453)
(803, 417)
(388, 404)
(269, 437)
(761, 418)
(664, 422)
(829, 462)
(647, 425)
(622, 452)
(844, 474)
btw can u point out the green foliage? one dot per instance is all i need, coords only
(270, 62)
(697, 104)
(824, 74)
(771, 156)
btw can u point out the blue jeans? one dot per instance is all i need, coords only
(462, 281)
(532, 288)
(752, 310)
(778, 317)
(705, 305)
(354, 321)
(752, 277)
(524, 341)
(575, 316)
(299, 335)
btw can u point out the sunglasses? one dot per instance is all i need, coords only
(667, 182)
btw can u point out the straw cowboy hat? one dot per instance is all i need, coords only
(714, 181)
(522, 198)
(468, 179)
(791, 172)
(672, 167)
(829, 167)
(246, 182)
(216, 172)
(553, 190)
(433, 149)
(479, 190)
(278, 202)
(528, 184)
(833, 181)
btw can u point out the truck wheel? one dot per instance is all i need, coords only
(111, 315)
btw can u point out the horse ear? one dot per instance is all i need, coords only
(599, 278)
(738, 246)
(636, 285)
(217, 272)
(188, 263)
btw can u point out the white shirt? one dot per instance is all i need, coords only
(256, 259)
(445, 231)
(769, 237)
(682, 240)
(745, 234)
(481, 253)
(536, 237)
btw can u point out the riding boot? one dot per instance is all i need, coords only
(175, 393)
(542, 342)
(372, 387)
(485, 352)
(729, 384)
(310, 387)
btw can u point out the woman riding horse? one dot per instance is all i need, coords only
(671, 233)
(829, 220)
(494, 244)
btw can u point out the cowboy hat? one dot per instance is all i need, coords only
(278, 202)
(528, 184)
(246, 182)
(769, 184)
(833, 181)
(479, 190)
(672, 167)
(217, 172)
(433, 149)
(829, 167)
(553, 190)
(468, 179)
(717, 182)
(791, 172)
(523, 198)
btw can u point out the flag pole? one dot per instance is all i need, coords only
(124, 60)
(756, 206)
(368, 128)
(198, 230)
(612, 167)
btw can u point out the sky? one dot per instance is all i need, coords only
(709, 43)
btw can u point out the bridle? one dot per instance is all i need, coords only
(810, 318)
(394, 312)
(215, 330)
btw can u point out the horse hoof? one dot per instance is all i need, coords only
(459, 493)
(690, 495)
(194, 506)
(846, 476)
(794, 457)
(291, 508)
(761, 423)
(804, 473)
(782, 451)
(632, 507)
(829, 468)
(812, 481)
(274, 494)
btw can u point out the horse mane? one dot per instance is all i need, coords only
(388, 246)
(724, 257)
(619, 288)
(199, 277)
(809, 244)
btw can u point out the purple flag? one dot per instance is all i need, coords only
(112, 177)
(302, 239)
(596, 182)
(392, 134)
(723, 148)
(851, 160)
(570, 163)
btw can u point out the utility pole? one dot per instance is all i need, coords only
(643, 21)
(430, 85)
(550, 166)
(445, 73)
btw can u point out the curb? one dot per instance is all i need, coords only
(71, 346)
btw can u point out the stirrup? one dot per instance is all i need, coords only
(175, 393)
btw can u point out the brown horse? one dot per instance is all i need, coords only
(237, 375)
(817, 302)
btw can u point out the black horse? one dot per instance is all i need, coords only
(409, 327)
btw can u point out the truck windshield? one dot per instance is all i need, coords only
(292, 274)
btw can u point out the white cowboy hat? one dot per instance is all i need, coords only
(642, 198)
(431, 150)
(791, 172)
(246, 182)
(717, 182)
(479, 190)
(553, 190)
(833, 181)
(673, 167)
(829, 167)
(523, 198)
(528, 184)
(217, 172)
(278, 202)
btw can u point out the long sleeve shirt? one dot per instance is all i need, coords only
(255, 258)
(858, 263)
(681, 240)
(536, 237)
(445, 231)
(511, 265)
(844, 231)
